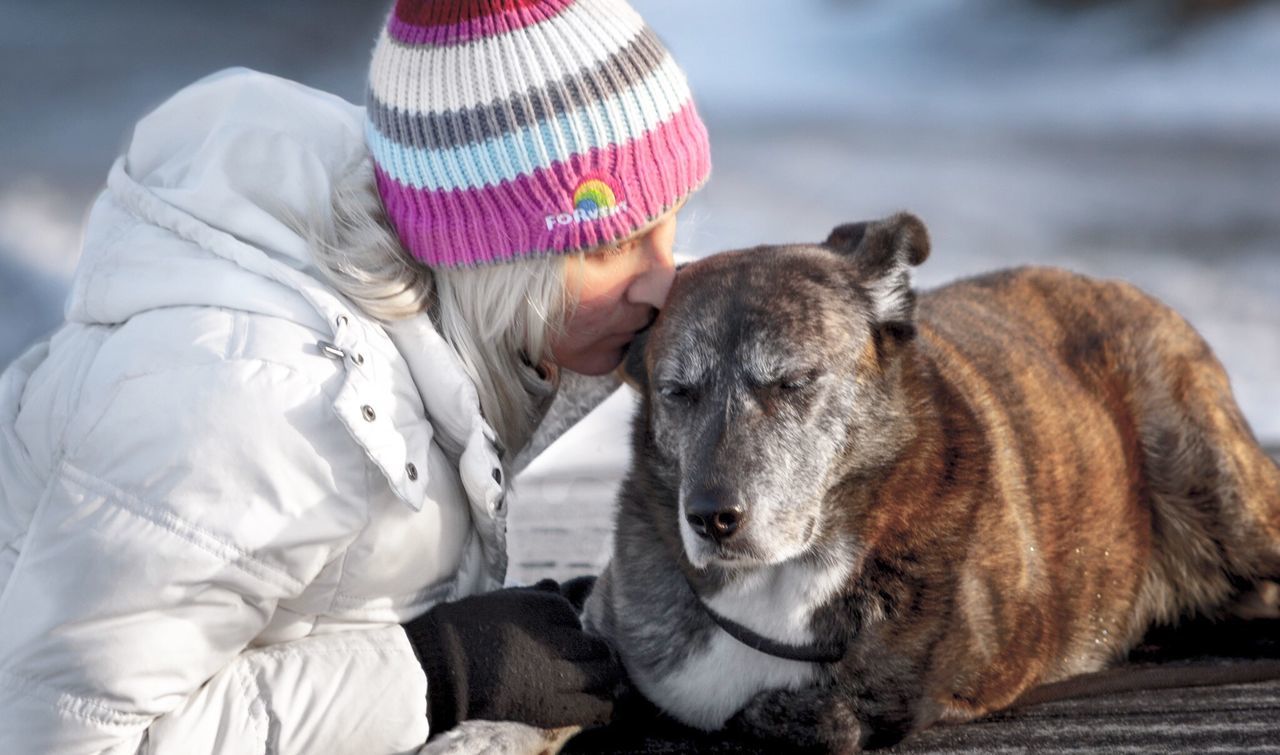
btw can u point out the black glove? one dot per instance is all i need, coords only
(513, 655)
(575, 590)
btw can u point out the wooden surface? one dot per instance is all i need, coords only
(1219, 718)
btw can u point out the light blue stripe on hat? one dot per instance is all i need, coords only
(525, 150)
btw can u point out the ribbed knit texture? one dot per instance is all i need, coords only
(503, 129)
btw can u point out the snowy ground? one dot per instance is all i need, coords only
(1107, 142)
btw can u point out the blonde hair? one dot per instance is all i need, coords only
(499, 319)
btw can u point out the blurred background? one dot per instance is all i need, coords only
(1133, 139)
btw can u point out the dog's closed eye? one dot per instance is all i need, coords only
(792, 381)
(678, 392)
(797, 381)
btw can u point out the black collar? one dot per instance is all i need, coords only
(814, 652)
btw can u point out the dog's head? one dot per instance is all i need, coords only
(771, 375)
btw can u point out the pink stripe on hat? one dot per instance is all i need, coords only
(446, 23)
(535, 214)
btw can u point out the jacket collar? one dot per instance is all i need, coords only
(448, 394)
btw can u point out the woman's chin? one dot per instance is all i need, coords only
(593, 363)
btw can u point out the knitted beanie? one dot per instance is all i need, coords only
(505, 129)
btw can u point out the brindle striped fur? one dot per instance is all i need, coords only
(1032, 468)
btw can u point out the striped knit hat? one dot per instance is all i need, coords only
(503, 129)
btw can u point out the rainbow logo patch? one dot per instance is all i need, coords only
(594, 194)
(594, 199)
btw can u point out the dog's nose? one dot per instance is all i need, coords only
(710, 518)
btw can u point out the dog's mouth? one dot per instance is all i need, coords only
(747, 552)
(738, 554)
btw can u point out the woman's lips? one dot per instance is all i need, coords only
(626, 336)
(633, 332)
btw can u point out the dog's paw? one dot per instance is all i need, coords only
(802, 719)
(770, 715)
(1262, 601)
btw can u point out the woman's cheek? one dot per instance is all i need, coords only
(591, 320)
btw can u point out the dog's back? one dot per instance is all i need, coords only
(1106, 424)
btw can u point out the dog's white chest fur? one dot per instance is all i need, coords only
(720, 677)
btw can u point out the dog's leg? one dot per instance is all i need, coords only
(1214, 492)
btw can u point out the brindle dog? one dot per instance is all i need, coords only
(852, 513)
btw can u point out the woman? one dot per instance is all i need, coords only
(252, 493)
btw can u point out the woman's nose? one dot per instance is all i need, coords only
(652, 283)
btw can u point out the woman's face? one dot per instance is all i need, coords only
(619, 291)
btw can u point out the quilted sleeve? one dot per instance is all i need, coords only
(179, 516)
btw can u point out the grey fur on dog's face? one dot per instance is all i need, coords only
(767, 387)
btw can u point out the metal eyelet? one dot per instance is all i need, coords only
(412, 471)
(329, 350)
(358, 358)
(342, 321)
(367, 412)
(497, 475)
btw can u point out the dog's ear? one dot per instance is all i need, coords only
(883, 253)
(632, 371)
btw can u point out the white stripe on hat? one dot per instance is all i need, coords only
(632, 113)
(581, 36)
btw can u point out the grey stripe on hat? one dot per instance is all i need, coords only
(454, 128)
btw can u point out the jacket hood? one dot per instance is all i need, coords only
(235, 154)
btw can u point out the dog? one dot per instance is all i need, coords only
(854, 511)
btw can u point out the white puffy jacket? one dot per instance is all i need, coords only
(219, 485)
